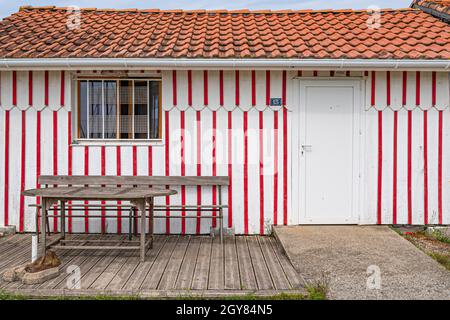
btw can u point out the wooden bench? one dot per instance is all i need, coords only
(139, 181)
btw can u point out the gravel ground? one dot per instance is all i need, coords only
(343, 255)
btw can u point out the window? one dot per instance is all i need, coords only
(121, 109)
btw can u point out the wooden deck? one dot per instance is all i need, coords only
(176, 266)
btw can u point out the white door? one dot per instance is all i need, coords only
(329, 151)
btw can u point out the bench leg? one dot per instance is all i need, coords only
(48, 224)
(43, 227)
(141, 206)
(220, 215)
(135, 221)
(130, 224)
(150, 219)
(63, 219)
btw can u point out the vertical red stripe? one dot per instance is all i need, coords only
(394, 187)
(261, 173)
(55, 159)
(275, 175)
(221, 87)
(6, 210)
(268, 87)
(189, 83)
(388, 88)
(22, 174)
(63, 88)
(404, 87)
(199, 169)
(134, 160)
(174, 87)
(103, 172)
(283, 88)
(237, 87)
(205, 87)
(69, 164)
(214, 165)
(14, 88)
(38, 154)
(300, 73)
(245, 125)
(315, 73)
(425, 165)
(119, 203)
(230, 169)
(167, 163)
(30, 88)
(417, 88)
(253, 88)
(373, 83)
(46, 88)
(331, 73)
(380, 165)
(440, 167)
(409, 167)
(150, 160)
(183, 171)
(433, 88)
(285, 167)
(86, 173)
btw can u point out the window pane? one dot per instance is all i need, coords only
(140, 110)
(82, 111)
(95, 110)
(110, 92)
(126, 111)
(154, 109)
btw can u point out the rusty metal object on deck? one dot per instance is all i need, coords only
(49, 261)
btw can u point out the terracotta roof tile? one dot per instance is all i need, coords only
(404, 34)
(438, 6)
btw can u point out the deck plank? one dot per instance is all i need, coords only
(262, 275)
(197, 263)
(216, 268)
(232, 278)
(87, 260)
(138, 275)
(186, 273)
(111, 270)
(170, 275)
(248, 280)
(276, 271)
(201, 273)
(156, 272)
(291, 274)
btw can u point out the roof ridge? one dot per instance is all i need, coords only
(215, 11)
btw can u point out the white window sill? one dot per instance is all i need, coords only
(113, 142)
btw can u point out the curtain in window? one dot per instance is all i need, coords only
(110, 91)
(140, 110)
(95, 110)
(154, 109)
(82, 112)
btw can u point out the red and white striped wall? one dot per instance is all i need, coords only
(408, 148)
(219, 123)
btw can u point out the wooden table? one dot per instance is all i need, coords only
(137, 196)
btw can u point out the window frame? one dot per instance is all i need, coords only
(76, 119)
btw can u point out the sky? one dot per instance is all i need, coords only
(8, 7)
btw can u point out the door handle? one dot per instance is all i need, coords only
(306, 148)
